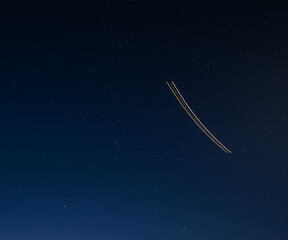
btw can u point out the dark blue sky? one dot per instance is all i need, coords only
(95, 146)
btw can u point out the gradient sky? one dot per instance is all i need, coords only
(95, 146)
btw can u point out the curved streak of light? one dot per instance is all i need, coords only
(193, 116)
(199, 122)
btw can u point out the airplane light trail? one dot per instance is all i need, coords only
(193, 116)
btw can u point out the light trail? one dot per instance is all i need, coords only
(193, 116)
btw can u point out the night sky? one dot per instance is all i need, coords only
(94, 146)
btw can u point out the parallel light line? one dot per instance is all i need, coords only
(193, 116)
(197, 119)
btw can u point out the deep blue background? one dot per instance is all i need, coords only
(94, 145)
